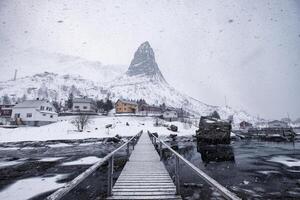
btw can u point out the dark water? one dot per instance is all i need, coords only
(30, 166)
(251, 169)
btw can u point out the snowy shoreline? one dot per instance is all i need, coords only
(64, 130)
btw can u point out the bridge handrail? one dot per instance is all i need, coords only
(70, 185)
(221, 189)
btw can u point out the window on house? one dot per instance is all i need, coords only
(51, 116)
(17, 115)
(42, 108)
(76, 107)
(50, 109)
(84, 107)
(28, 115)
(124, 108)
(44, 114)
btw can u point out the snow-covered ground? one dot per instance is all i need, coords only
(285, 160)
(7, 163)
(27, 188)
(83, 161)
(64, 130)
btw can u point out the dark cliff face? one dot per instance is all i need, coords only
(144, 64)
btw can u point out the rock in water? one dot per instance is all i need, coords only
(213, 131)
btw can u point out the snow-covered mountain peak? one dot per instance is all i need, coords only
(144, 64)
(143, 80)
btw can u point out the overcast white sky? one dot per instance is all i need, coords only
(248, 51)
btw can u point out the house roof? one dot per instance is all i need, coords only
(82, 100)
(30, 104)
(2, 106)
(277, 121)
(128, 102)
(174, 111)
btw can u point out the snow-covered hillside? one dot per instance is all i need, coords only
(50, 86)
(32, 61)
(143, 80)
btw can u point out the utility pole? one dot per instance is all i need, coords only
(225, 101)
(15, 76)
(289, 120)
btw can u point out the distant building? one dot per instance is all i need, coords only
(278, 124)
(148, 109)
(34, 113)
(245, 125)
(6, 110)
(5, 113)
(170, 115)
(83, 104)
(125, 106)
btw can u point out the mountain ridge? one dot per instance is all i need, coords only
(142, 80)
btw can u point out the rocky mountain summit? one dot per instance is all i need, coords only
(144, 64)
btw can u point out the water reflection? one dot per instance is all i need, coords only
(184, 150)
(215, 153)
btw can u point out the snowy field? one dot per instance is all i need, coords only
(64, 130)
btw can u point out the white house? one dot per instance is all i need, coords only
(170, 115)
(83, 104)
(278, 124)
(34, 113)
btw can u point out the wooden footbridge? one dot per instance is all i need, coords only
(144, 175)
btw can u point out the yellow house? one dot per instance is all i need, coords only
(125, 106)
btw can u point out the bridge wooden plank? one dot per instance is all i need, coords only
(161, 197)
(142, 187)
(144, 175)
(144, 190)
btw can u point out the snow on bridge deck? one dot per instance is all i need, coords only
(144, 175)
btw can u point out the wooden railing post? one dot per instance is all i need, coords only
(110, 175)
(160, 150)
(127, 151)
(177, 181)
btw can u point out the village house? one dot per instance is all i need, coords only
(5, 113)
(278, 124)
(245, 125)
(146, 109)
(125, 106)
(84, 104)
(170, 115)
(34, 113)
